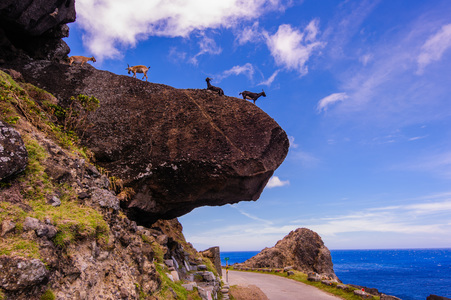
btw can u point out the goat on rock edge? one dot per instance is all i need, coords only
(80, 59)
(138, 69)
(213, 88)
(252, 96)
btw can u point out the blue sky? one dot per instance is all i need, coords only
(362, 88)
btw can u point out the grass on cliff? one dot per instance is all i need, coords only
(301, 277)
(168, 288)
(38, 107)
(173, 290)
(72, 220)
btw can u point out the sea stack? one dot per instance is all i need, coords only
(302, 249)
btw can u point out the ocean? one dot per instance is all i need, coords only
(409, 274)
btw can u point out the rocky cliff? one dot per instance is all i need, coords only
(62, 232)
(88, 197)
(34, 28)
(302, 249)
(178, 149)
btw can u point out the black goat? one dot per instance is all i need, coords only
(252, 96)
(214, 88)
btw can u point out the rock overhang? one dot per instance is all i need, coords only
(177, 148)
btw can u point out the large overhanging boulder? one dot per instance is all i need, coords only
(35, 28)
(178, 149)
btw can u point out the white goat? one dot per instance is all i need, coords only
(80, 59)
(138, 69)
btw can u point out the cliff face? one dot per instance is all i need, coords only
(178, 149)
(62, 232)
(35, 28)
(301, 249)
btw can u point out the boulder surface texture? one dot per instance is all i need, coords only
(13, 155)
(21, 273)
(177, 148)
(302, 249)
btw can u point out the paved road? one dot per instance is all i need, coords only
(276, 287)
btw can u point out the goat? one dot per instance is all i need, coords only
(252, 96)
(138, 69)
(214, 88)
(80, 59)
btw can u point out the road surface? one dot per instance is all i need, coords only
(276, 287)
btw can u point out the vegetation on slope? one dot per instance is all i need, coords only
(20, 101)
(35, 114)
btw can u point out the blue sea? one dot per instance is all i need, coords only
(409, 274)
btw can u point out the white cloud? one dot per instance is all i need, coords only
(276, 182)
(110, 26)
(207, 46)
(292, 48)
(389, 92)
(250, 34)
(433, 49)
(246, 69)
(250, 216)
(425, 220)
(292, 143)
(176, 55)
(346, 24)
(270, 80)
(415, 138)
(427, 217)
(365, 59)
(326, 101)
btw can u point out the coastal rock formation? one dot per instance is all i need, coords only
(13, 155)
(35, 28)
(178, 149)
(301, 249)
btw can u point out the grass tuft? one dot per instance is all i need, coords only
(48, 295)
